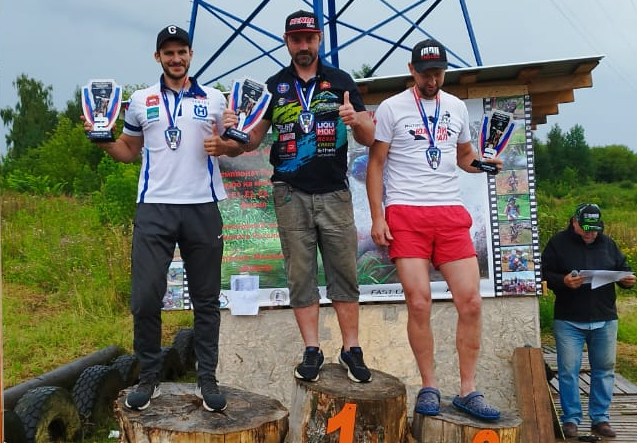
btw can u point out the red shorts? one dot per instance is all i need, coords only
(437, 233)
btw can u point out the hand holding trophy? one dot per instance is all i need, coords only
(495, 132)
(249, 99)
(101, 102)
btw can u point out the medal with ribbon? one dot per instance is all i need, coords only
(306, 118)
(172, 134)
(433, 154)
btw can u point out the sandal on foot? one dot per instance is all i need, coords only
(474, 404)
(428, 401)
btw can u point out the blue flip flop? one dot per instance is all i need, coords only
(428, 401)
(474, 404)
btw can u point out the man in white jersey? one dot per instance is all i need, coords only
(174, 125)
(422, 137)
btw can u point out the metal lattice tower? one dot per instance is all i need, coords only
(253, 43)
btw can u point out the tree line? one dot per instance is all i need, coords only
(48, 153)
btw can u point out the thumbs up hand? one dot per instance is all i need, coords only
(346, 111)
(213, 145)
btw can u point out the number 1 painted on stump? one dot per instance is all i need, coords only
(344, 421)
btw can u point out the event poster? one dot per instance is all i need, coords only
(502, 208)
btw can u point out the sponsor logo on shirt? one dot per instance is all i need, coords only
(152, 113)
(200, 109)
(152, 100)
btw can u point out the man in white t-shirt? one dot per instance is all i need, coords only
(422, 137)
(174, 126)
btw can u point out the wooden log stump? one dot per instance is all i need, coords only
(454, 426)
(334, 409)
(177, 416)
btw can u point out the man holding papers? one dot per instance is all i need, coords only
(585, 313)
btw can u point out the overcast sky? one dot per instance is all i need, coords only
(64, 43)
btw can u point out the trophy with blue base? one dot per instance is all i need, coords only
(101, 103)
(249, 99)
(495, 132)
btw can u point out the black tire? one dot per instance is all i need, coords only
(48, 413)
(94, 394)
(13, 429)
(171, 368)
(128, 367)
(184, 343)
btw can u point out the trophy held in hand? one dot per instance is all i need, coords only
(249, 99)
(101, 102)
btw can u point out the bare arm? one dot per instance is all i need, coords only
(257, 134)
(377, 157)
(466, 156)
(125, 149)
(360, 122)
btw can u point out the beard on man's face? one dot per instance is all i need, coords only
(304, 58)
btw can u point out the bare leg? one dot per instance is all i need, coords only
(347, 313)
(307, 319)
(414, 276)
(463, 278)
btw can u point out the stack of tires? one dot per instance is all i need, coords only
(55, 413)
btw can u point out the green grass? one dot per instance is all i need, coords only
(66, 279)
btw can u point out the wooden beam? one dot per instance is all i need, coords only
(560, 83)
(468, 78)
(549, 98)
(532, 393)
(546, 110)
(585, 68)
(499, 90)
(528, 75)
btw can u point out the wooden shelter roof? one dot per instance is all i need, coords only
(549, 83)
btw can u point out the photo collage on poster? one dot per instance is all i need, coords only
(514, 208)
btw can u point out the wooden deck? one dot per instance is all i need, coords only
(623, 409)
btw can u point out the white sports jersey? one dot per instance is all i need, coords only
(187, 174)
(413, 177)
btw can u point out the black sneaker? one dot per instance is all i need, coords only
(139, 399)
(312, 363)
(352, 360)
(208, 390)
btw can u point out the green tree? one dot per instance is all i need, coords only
(32, 119)
(364, 72)
(67, 160)
(613, 163)
(578, 153)
(74, 107)
(543, 161)
(555, 149)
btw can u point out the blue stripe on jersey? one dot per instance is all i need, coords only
(132, 128)
(145, 187)
(211, 170)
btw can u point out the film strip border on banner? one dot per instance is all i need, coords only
(530, 156)
(528, 280)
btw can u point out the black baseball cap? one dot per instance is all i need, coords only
(301, 21)
(589, 217)
(172, 32)
(428, 54)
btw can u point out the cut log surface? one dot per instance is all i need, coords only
(177, 416)
(378, 409)
(454, 426)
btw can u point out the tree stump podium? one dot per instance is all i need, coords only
(454, 426)
(177, 416)
(334, 409)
